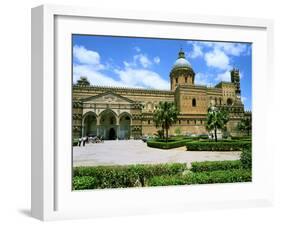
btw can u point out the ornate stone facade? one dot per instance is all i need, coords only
(123, 113)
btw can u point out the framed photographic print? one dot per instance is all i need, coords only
(136, 113)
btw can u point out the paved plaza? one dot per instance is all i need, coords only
(126, 152)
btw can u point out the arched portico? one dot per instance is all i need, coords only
(125, 122)
(108, 125)
(90, 124)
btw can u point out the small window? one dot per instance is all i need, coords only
(148, 122)
(187, 121)
(176, 80)
(201, 122)
(179, 121)
(185, 79)
(193, 102)
(194, 122)
(229, 102)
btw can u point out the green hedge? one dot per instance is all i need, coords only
(209, 177)
(215, 165)
(84, 182)
(122, 176)
(242, 138)
(246, 158)
(167, 145)
(218, 146)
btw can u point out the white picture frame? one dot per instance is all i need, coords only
(51, 157)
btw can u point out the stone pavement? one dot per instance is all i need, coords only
(125, 152)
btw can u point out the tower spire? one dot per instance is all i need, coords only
(181, 53)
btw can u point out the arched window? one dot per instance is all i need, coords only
(229, 102)
(193, 102)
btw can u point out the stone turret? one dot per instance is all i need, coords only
(182, 72)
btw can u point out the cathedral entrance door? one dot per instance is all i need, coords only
(112, 134)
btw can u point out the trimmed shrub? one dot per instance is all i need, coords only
(167, 145)
(218, 146)
(249, 138)
(85, 182)
(246, 158)
(126, 176)
(215, 165)
(203, 137)
(209, 177)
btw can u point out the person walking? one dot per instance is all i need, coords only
(84, 141)
(79, 141)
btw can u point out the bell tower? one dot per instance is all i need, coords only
(182, 72)
(235, 79)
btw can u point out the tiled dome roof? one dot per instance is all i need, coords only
(181, 62)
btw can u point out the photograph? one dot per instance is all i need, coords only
(160, 112)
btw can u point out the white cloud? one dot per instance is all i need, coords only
(243, 99)
(133, 74)
(217, 54)
(129, 64)
(84, 56)
(217, 59)
(137, 49)
(143, 60)
(225, 76)
(142, 78)
(234, 49)
(196, 51)
(156, 60)
(204, 79)
(95, 77)
(241, 74)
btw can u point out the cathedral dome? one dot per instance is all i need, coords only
(181, 62)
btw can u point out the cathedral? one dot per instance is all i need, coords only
(127, 113)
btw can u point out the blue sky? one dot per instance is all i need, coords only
(146, 63)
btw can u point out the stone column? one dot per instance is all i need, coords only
(98, 126)
(117, 131)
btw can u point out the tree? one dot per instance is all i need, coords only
(216, 119)
(164, 116)
(245, 125)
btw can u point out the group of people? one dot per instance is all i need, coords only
(83, 140)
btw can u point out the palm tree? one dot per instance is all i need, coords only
(165, 115)
(245, 125)
(216, 119)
